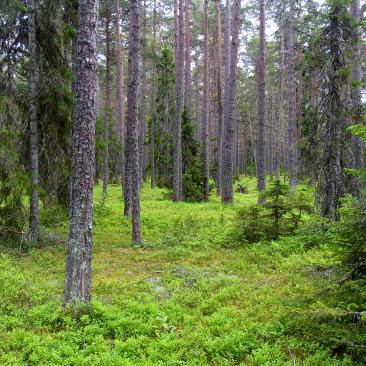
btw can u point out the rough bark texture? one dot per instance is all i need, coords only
(357, 162)
(293, 164)
(142, 149)
(33, 130)
(333, 110)
(229, 110)
(133, 81)
(120, 95)
(107, 101)
(179, 87)
(78, 265)
(187, 56)
(153, 106)
(261, 80)
(219, 91)
(205, 107)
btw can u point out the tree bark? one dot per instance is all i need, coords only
(187, 54)
(219, 92)
(107, 105)
(205, 107)
(179, 69)
(229, 110)
(120, 96)
(357, 162)
(133, 81)
(293, 164)
(261, 79)
(33, 129)
(153, 106)
(142, 149)
(78, 265)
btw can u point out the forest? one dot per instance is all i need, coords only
(182, 182)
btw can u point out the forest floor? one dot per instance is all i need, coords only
(183, 299)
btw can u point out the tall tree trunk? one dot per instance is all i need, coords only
(357, 162)
(120, 120)
(142, 149)
(179, 69)
(133, 81)
(334, 111)
(107, 105)
(293, 164)
(153, 106)
(78, 265)
(33, 129)
(219, 91)
(261, 78)
(187, 56)
(226, 78)
(205, 107)
(229, 109)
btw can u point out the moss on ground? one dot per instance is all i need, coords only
(182, 299)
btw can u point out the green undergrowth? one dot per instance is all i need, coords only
(182, 299)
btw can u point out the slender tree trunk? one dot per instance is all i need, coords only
(132, 126)
(120, 118)
(205, 107)
(33, 130)
(142, 150)
(229, 109)
(153, 107)
(107, 105)
(179, 69)
(78, 265)
(356, 89)
(226, 78)
(219, 91)
(293, 165)
(261, 79)
(254, 146)
(270, 138)
(187, 54)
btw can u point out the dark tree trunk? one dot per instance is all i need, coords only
(153, 107)
(334, 109)
(261, 79)
(187, 56)
(229, 110)
(120, 118)
(78, 265)
(107, 104)
(292, 130)
(33, 130)
(133, 81)
(219, 92)
(179, 69)
(205, 106)
(142, 149)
